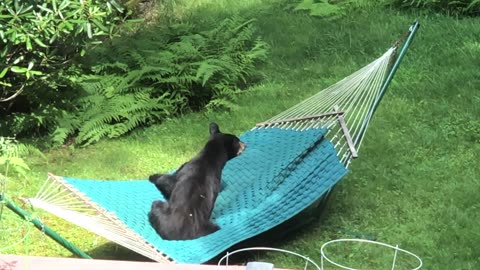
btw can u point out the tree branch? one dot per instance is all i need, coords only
(14, 95)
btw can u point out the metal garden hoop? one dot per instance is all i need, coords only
(395, 248)
(307, 260)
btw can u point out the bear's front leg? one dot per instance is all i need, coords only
(209, 228)
(164, 183)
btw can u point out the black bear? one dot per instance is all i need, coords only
(192, 190)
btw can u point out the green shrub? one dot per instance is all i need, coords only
(145, 78)
(11, 157)
(38, 45)
(322, 8)
(337, 8)
(457, 7)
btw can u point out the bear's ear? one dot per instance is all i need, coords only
(214, 129)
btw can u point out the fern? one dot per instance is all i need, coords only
(11, 158)
(165, 73)
(206, 69)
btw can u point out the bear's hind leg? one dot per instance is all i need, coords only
(159, 218)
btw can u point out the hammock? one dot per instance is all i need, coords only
(293, 159)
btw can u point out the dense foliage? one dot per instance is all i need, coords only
(11, 158)
(39, 43)
(456, 7)
(334, 9)
(134, 81)
(147, 77)
(322, 8)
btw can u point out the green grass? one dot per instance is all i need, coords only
(415, 183)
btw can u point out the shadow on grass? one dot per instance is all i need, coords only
(297, 227)
(112, 251)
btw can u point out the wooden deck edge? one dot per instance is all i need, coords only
(17, 262)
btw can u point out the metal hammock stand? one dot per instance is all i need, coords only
(320, 137)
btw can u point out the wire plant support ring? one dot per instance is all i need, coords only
(227, 256)
(395, 253)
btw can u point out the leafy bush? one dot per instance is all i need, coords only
(143, 79)
(38, 43)
(322, 8)
(337, 8)
(11, 161)
(462, 7)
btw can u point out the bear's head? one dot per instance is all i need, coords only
(231, 143)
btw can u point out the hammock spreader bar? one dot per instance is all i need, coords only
(346, 133)
(298, 119)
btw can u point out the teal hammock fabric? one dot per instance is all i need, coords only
(282, 172)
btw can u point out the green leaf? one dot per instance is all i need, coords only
(68, 25)
(52, 39)
(44, 8)
(116, 5)
(205, 71)
(18, 69)
(64, 4)
(19, 165)
(40, 43)
(28, 44)
(16, 61)
(5, 84)
(139, 20)
(17, 7)
(472, 4)
(36, 72)
(4, 71)
(26, 9)
(5, 50)
(11, 11)
(100, 25)
(89, 29)
(54, 4)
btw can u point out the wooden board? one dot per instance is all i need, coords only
(16, 262)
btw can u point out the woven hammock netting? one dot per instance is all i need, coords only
(293, 159)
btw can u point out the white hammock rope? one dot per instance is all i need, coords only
(63, 200)
(353, 97)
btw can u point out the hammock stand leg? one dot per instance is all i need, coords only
(412, 31)
(43, 228)
(411, 34)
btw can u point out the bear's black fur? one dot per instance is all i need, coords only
(192, 190)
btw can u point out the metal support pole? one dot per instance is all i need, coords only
(413, 29)
(44, 228)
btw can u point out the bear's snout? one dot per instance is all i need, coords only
(242, 148)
